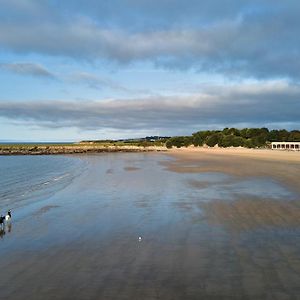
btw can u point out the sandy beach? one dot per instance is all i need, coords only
(281, 165)
(245, 213)
(215, 224)
(262, 154)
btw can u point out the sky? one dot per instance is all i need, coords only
(95, 69)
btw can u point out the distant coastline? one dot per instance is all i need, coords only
(53, 149)
(81, 148)
(250, 138)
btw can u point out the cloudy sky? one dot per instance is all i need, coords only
(93, 69)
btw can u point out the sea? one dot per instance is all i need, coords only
(28, 179)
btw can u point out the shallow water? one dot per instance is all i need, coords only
(25, 179)
(204, 235)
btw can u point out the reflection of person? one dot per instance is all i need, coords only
(2, 218)
(5, 229)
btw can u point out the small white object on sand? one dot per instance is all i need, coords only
(140, 238)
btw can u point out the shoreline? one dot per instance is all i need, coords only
(44, 149)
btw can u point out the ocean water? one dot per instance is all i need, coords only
(77, 219)
(26, 179)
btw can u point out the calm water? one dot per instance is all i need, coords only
(25, 179)
(77, 221)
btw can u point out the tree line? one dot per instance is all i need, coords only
(247, 137)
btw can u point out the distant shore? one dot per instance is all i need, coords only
(53, 149)
(44, 149)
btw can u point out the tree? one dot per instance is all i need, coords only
(246, 137)
(248, 143)
(169, 144)
(294, 136)
(283, 135)
(234, 131)
(273, 136)
(226, 141)
(197, 140)
(243, 132)
(214, 139)
(200, 136)
(188, 140)
(179, 141)
(238, 141)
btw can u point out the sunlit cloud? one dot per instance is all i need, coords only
(249, 104)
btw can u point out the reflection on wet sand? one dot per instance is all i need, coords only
(109, 171)
(45, 209)
(284, 171)
(247, 214)
(199, 184)
(131, 168)
(233, 204)
(5, 229)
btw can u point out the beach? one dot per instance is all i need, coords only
(214, 223)
(262, 154)
(281, 165)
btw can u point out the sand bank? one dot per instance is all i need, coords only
(264, 154)
(244, 212)
(283, 166)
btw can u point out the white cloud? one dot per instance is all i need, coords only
(248, 46)
(254, 104)
(27, 68)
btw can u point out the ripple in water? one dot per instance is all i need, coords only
(29, 178)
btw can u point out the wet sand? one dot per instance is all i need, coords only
(249, 212)
(213, 226)
(282, 165)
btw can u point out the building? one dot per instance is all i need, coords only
(293, 146)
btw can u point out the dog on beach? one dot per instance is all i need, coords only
(8, 216)
(5, 224)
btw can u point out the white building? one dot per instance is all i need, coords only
(294, 146)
